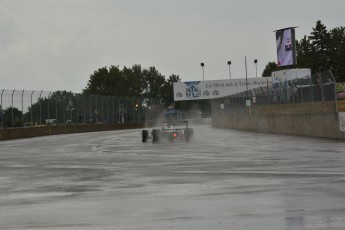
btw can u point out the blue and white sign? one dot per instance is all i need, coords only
(199, 90)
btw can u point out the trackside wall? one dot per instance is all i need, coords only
(8, 134)
(315, 124)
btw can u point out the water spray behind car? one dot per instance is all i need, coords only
(169, 132)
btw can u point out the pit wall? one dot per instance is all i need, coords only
(314, 120)
(14, 133)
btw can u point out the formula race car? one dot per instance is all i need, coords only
(169, 132)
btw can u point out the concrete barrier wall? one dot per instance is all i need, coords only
(14, 133)
(310, 119)
(315, 124)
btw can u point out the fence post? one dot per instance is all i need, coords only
(319, 74)
(119, 100)
(102, 111)
(84, 109)
(40, 107)
(126, 110)
(1, 96)
(301, 89)
(311, 91)
(90, 109)
(22, 108)
(78, 115)
(31, 106)
(113, 109)
(48, 103)
(139, 108)
(146, 114)
(96, 110)
(56, 110)
(107, 109)
(2, 115)
(335, 92)
(292, 91)
(133, 106)
(12, 108)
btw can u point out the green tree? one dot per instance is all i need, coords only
(102, 81)
(320, 39)
(60, 105)
(134, 82)
(12, 117)
(168, 89)
(155, 82)
(304, 53)
(337, 53)
(321, 50)
(138, 80)
(117, 83)
(320, 47)
(270, 67)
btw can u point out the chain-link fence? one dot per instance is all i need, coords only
(20, 108)
(315, 88)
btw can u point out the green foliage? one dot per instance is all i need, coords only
(304, 50)
(320, 39)
(320, 47)
(12, 114)
(337, 52)
(133, 88)
(322, 50)
(132, 82)
(270, 67)
(167, 89)
(155, 82)
(46, 108)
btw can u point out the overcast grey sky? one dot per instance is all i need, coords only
(57, 44)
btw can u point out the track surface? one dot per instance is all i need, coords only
(223, 179)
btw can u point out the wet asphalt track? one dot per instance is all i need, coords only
(222, 180)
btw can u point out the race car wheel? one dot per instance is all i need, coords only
(188, 134)
(155, 135)
(145, 135)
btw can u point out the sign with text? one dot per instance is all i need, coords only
(201, 90)
(341, 120)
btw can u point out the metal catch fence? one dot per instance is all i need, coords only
(20, 108)
(315, 88)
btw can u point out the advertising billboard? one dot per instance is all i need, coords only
(286, 47)
(200, 90)
(340, 89)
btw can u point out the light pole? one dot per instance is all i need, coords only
(203, 75)
(1, 111)
(256, 67)
(229, 63)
